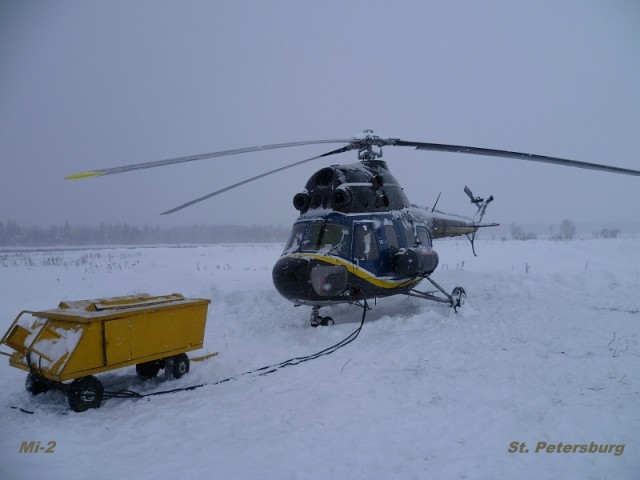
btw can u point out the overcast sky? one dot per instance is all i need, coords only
(87, 85)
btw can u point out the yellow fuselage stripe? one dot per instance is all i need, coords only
(358, 271)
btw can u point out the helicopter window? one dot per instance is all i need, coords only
(409, 235)
(295, 239)
(423, 236)
(328, 237)
(392, 237)
(366, 243)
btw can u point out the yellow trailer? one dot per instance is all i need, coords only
(80, 339)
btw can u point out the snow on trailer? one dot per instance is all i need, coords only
(82, 338)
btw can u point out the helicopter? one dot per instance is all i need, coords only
(357, 236)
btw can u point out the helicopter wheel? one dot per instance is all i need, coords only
(458, 297)
(317, 320)
(322, 321)
(326, 321)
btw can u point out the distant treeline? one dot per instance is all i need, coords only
(14, 235)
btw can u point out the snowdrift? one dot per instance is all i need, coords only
(546, 350)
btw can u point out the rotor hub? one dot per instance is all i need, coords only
(366, 144)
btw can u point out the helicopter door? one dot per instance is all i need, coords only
(366, 250)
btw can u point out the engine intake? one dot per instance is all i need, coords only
(341, 197)
(302, 201)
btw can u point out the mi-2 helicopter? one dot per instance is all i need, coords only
(357, 236)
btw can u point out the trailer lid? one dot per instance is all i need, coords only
(115, 303)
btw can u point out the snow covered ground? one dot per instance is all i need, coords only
(546, 350)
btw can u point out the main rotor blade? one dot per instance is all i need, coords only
(191, 158)
(507, 154)
(231, 187)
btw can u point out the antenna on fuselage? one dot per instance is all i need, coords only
(434, 205)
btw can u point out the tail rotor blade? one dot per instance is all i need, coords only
(467, 190)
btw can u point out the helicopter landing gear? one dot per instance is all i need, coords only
(317, 320)
(456, 300)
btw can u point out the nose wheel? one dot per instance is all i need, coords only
(318, 320)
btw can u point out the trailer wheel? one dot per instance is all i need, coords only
(148, 369)
(176, 367)
(85, 393)
(35, 385)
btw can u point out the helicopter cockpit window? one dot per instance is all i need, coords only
(325, 237)
(365, 245)
(423, 236)
(295, 239)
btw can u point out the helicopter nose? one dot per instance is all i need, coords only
(291, 276)
(302, 280)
